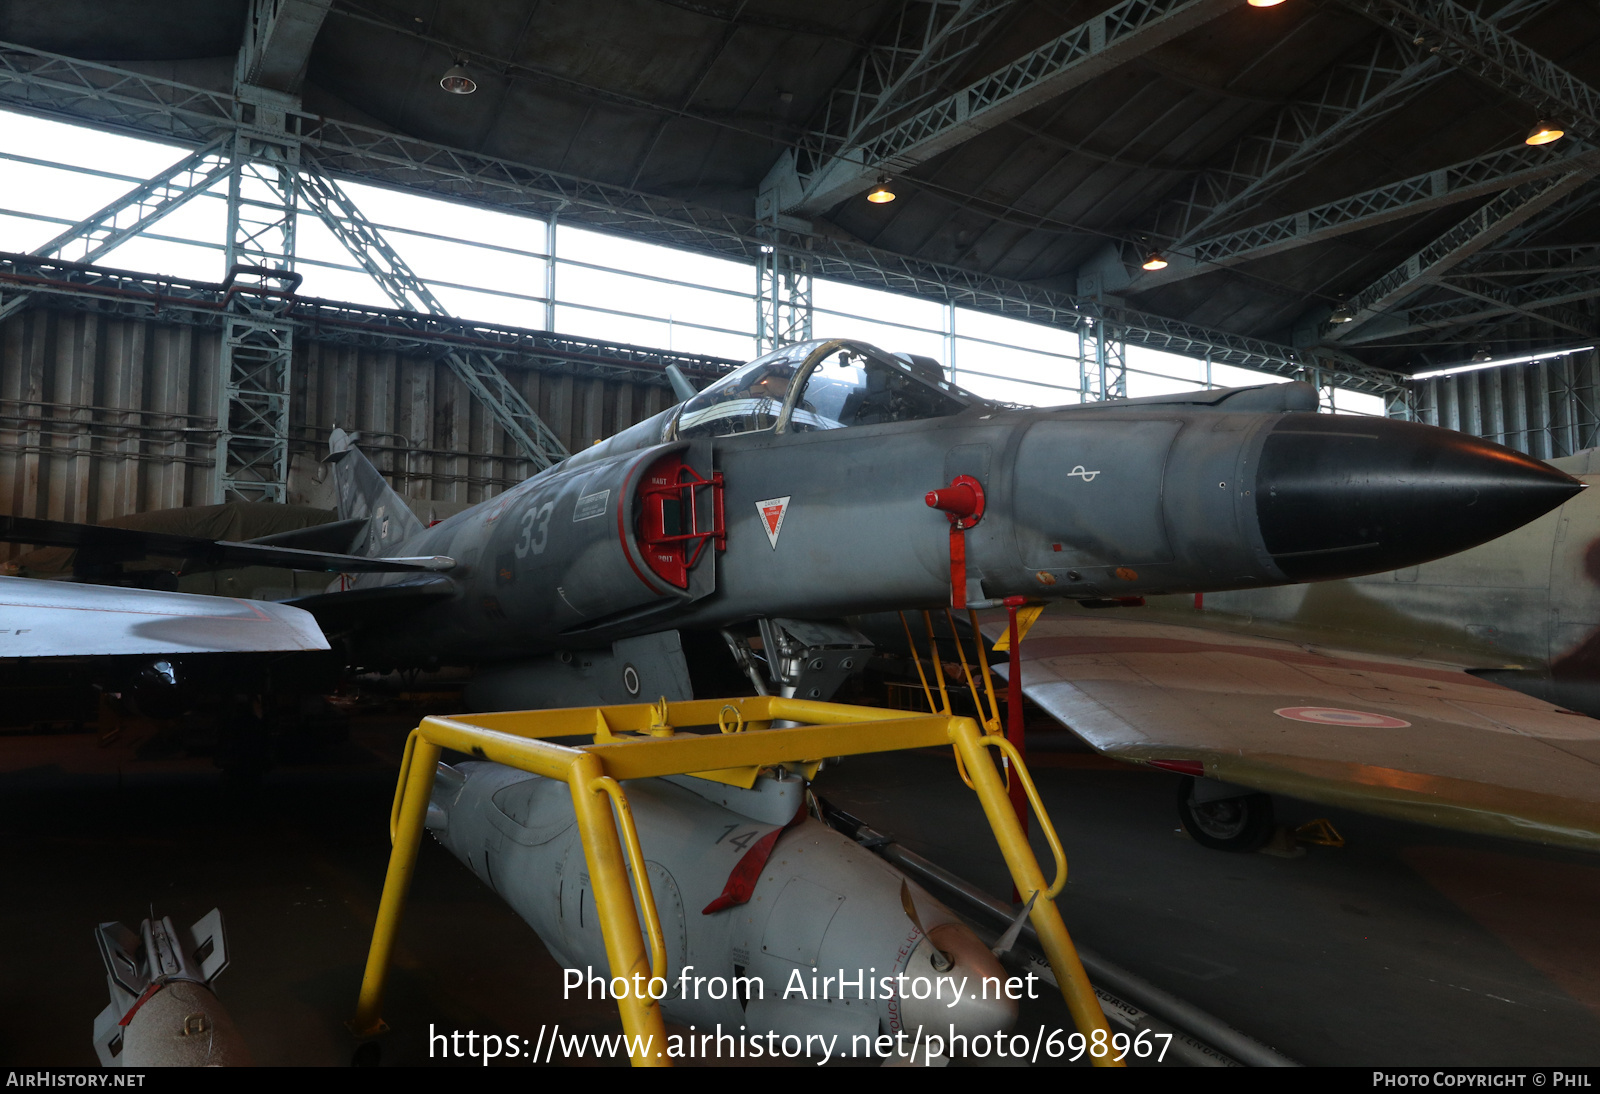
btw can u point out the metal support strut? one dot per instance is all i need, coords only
(636, 742)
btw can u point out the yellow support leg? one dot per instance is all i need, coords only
(410, 815)
(619, 919)
(1029, 878)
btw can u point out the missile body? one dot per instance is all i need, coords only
(821, 910)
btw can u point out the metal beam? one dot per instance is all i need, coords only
(879, 136)
(277, 42)
(1354, 95)
(141, 207)
(1549, 311)
(373, 251)
(1491, 301)
(1370, 85)
(1486, 224)
(1476, 45)
(84, 91)
(121, 293)
(132, 213)
(1422, 193)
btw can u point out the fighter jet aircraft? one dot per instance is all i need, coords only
(829, 478)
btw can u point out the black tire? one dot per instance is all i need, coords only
(1232, 824)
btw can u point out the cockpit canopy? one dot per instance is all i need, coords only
(822, 385)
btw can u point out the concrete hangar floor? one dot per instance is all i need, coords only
(1407, 946)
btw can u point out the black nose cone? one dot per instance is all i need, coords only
(1339, 496)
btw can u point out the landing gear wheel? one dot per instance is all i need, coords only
(1231, 824)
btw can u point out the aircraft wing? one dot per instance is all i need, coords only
(1402, 738)
(63, 619)
(110, 545)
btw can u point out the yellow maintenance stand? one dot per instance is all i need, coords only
(644, 741)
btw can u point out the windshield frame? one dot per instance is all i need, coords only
(809, 364)
(818, 357)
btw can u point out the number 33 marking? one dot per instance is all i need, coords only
(540, 515)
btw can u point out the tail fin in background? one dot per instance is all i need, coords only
(364, 494)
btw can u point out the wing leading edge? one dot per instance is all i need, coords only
(62, 619)
(1386, 735)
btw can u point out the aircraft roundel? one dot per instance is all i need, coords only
(1334, 716)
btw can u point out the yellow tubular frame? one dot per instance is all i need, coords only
(594, 772)
(988, 680)
(647, 897)
(1028, 878)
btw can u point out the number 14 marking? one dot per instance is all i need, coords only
(740, 841)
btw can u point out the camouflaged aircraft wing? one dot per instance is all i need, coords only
(1398, 737)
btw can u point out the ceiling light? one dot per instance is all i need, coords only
(1482, 355)
(457, 81)
(881, 193)
(1342, 314)
(1154, 262)
(1544, 133)
(1265, 3)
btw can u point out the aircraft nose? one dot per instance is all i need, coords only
(1338, 496)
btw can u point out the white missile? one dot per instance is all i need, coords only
(772, 920)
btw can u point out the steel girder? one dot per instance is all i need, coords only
(140, 207)
(928, 40)
(1422, 193)
(121, 293)
(1354, 95)
(252, 453)
(1473, 233)
(277, 42)
(783, 298)
(1517, 274)
(1104, 374)
(133, 212)
(409, 292)
(101, 95)
(1358, 93)
(257, 359)
(883, 120)
(1483, 300)
(1477, 45)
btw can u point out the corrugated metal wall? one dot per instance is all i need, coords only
(102, 416)
(1545, 408)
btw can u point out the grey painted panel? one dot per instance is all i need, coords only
(1126, 460)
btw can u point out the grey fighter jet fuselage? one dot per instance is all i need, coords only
(799, 486)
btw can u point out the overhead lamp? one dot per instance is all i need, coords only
(1342, 314)
(457, 80)
(1265, 3)
(1545, 132)
(1154, 262)
(1482, 355)
(881, 194)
